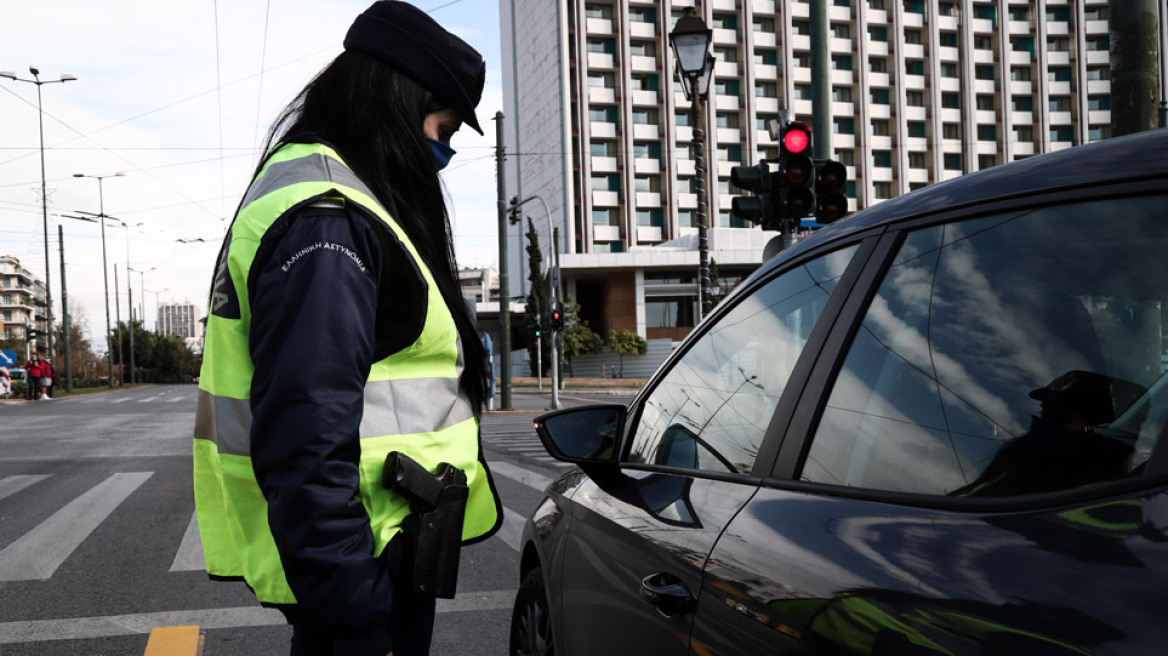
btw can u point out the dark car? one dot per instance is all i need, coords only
(935, 427)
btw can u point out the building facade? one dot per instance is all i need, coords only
(22, 303)
(922, 91)
(179, 319)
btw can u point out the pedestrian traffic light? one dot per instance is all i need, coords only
(795, 186)
(757, 180)
(831, 204)
(557, 320)
(514, 212)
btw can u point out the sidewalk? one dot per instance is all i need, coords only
(526, 396)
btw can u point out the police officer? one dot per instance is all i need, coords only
(340, 255)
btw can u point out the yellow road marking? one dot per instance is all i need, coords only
(175, 641)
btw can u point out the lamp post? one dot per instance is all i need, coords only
(156, 293)
(690, 40)
(142, 298)
(130, 293)
(101, 217)
(36, 79)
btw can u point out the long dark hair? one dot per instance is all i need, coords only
(373, 116)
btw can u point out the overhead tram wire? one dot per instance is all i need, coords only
(260, 94)
(219, 107)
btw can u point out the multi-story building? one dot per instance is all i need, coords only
(922, 91)
(22, 302)
(178, 319)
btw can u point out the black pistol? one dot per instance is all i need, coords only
(426, 556)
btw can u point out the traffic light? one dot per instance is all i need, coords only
(557, 319)
(757, 180)
(514, 212)
(831, 204)
(795, 180)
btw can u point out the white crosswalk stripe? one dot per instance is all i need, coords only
(37, 554)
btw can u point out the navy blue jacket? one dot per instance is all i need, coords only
(320, 318)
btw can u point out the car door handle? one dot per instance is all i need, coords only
(667, 594)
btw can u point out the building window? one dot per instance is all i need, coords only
(650, 218)
(724, 120)
(877, 65)
(879, 96)
(1062, 133)
(683, 119)
(672, 312)
(880, 128)
(882, 158)
(984, 71)
(948, 69)
(604, 217)
(1022, 103)
(1023, 134)
(766, 25)
(987, 132)
(987, 161)
(841, 62)
(766, 56)
(1060, 104)
(1058, 14)
(912, 36)
(608, 247)
(952, 161)
(1096, 103)
(724, 54)
(645, 116)
(1058, 44)
(985, 102)
(841, 30)
(723, 87)
(914, 98)
(801, 27)
(1097, 13)
(1100, 42)
(882, 190)
(1021, 14)
(766, 90)
(603, 149)
(878, 33)
(916, 129)
(648, 184)
(846, 157)
(844, 125)
(914, 66)
(1059, 74)
(1022, 44)
(982, 42)
(1098, 132)
(984, 12)
(917, 160)
(841, 94)
(1099, 73)
(951, 101)
(803, 92)
(948, 39)
(606, 46)
(687, 218)
(1020, 73)
(951, 131)
(593, 10)
(643, 49)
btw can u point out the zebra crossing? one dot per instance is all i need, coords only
(519, 438)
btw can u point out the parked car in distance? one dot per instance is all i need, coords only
(935, 427)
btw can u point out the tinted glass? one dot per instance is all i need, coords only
(1008, 355)
(711, 411)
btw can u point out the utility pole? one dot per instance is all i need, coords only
(130, 292)
(118, 318)
(1135, 65)
(820, 81)
(504, 287)
(65, 312)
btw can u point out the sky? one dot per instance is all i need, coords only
(178, 96)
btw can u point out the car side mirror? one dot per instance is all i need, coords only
(587, 436)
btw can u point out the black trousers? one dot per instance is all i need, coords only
(411, 627)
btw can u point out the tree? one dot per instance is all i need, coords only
(577, 337)
(625, 341)
(537, 303)
(81, 356)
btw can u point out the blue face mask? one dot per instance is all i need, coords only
(441, 152)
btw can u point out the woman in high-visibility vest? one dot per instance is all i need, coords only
(340, 258)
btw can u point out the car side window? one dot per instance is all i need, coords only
(1007, 355)
(711, 410)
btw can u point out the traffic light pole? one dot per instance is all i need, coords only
(504, 287)
(65, 313)
(821, 119)
(553, 300)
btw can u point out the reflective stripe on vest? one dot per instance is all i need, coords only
(412, 400)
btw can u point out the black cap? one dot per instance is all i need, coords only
(406, 37)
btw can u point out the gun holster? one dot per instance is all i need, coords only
(425, 556)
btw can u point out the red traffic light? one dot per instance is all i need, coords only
(796, 137)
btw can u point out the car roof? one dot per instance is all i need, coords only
(1132, 157)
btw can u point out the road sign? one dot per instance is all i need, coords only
(7, 358)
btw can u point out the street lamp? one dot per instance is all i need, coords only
(101, 217)
(36, 79)
(690, 40)
(156, 306)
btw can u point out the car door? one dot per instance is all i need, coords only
(638, 538)
(982, 469)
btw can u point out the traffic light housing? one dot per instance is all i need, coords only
(514, 211)
(795, 178)
(557, 319)
(831, 204)
(757, 180)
